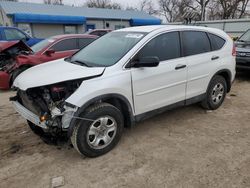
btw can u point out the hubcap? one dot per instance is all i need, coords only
(217, 93)
(101, 132)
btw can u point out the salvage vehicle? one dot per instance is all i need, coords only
(243, 51)
(16, 34)
(17, 57)
(123, 77)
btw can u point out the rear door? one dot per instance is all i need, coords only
(200, 59)
(156, 87)
(83, 42)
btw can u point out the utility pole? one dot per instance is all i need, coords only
(203, 11)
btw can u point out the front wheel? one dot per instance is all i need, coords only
(216, 93)
(99, 131)
(35, 129)
(16, 73)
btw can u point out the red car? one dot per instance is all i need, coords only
(15, 57)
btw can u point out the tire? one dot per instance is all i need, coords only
(16, 73)
(95, 138)
(37, 130)
(216, 93)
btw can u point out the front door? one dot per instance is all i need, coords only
(156, 87)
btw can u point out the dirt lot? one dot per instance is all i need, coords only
(186, 147)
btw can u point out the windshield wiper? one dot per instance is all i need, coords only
(241, 40)
(77, 62)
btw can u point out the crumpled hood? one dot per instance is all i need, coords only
(54, 72)
(7, 45)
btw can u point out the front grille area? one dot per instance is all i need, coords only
(30, 103)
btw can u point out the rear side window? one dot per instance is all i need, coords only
(165, 47)
(65, 45)
(83, 42)
(216, 41)
(195, 42)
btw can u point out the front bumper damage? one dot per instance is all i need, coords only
(46, 124)
(28, 115)
(4, 80)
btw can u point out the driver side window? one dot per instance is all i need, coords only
(165, 46)
(13, 34)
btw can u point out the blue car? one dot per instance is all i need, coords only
(13, 33)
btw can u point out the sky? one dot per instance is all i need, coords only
(124, 3)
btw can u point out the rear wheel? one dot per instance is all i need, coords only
(100, 132)
(216, 93)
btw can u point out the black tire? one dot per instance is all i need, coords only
(37, 130)
(208, 103)
(16, 73)
(80, 139)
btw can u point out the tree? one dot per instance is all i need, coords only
(53, 2)
(175, 10)
(168, 9)
(233, 8)
(148, 7)
(227, 9)
(102, 4)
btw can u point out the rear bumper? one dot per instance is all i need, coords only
(4, 80)
(243, 63)
(28, 115)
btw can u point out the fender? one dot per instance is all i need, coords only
(98, 98)
(228, 80)
(29, 60)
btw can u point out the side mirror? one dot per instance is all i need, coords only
(50, 52)
(150, 61)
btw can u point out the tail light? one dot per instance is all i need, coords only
(234, 50)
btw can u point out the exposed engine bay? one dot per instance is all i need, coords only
(9, 51)
(48, 102)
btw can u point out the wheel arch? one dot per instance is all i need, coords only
(225, 73)
(117, 100)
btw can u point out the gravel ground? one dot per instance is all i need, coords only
(186, 147)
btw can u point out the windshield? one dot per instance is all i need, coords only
(245, 37)
(107, 50)
(42, 44)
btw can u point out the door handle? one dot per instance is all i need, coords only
(215, 57)
(180, 67)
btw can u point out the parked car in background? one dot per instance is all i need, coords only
(243, 51)
(19, 57)
(98, 32)
(124, 77)
(16, 34)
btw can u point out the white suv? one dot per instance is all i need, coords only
(122, 78)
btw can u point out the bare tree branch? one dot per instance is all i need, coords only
(102, 4)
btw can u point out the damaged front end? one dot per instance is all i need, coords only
(46, 106)
(9, 51)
